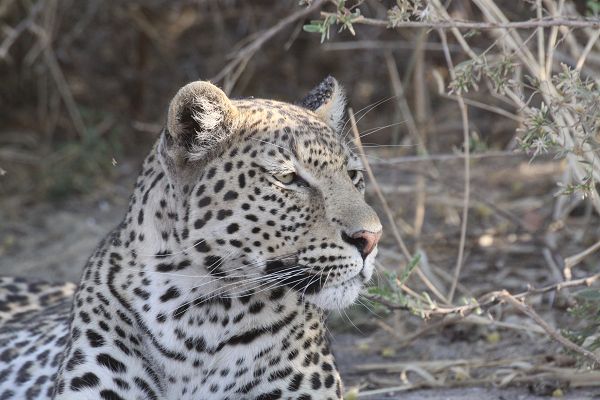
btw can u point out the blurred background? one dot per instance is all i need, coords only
(481, 141)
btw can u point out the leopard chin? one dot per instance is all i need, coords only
(339, 296)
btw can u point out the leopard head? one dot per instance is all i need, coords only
(272, 192)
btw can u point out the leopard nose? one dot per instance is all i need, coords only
(364, 241)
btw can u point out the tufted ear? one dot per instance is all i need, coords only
(201, 118)
(328, 101)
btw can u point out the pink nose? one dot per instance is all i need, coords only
(364, 241)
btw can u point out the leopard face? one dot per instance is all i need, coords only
(274, 195)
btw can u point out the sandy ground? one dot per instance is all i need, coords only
(53, 242)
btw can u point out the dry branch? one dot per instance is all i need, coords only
(492, 298)
(553, 333)
(24, 25)
(592, 23)
(467, 169)
(232, 71)
(388, 211)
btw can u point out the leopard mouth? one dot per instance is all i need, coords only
(295, 276)
(298, 278)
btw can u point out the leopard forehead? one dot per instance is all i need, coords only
(285, 131)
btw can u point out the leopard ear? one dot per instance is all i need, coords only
(200, 117)
(328, 101)
(201, 120)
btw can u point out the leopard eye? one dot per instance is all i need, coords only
(291, 178)
(286, 178)
(354, 175)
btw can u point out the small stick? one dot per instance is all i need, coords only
(492, 298)
(554, 334)
(235, 67)
(586, 51)
(467, 168)
(388, 212)
(593, 23)
(575, 259)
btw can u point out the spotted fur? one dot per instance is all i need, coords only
(246, 224)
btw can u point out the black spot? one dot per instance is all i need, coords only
(280, 374)
(219, 185)
(108, 394)
(255, 308)
(87, 380)
(329, 381)
(76, 359)
(171, 293)
(23, 374)
(141, 293)
(277, 293)
(94, 338)
(211, 173)
(204, 202)
(85, 317)
(222, 214)
(142, 384)
(296, 382)
(242, 180)
(315, 381)
(111, 363)
(121, 383)
(164, 267)
(274, 395)
(213, 265)
(251, 217)
(181, 310)
(201, 246)
(230, 195)
(232, 228)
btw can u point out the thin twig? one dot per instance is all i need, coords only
(586, 51)
(388, 212)
(593, 23)
(467, 169)
(386, 207)
(385, 45)
(554, 334)
(493, 298)
(22, 26)
(402, 104)
(540, 40)
(61, 82)
(575, 259)
(444, 157)
(234, 68)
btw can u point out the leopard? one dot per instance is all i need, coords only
(247, 226)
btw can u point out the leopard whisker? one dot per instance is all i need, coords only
(358, 113)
